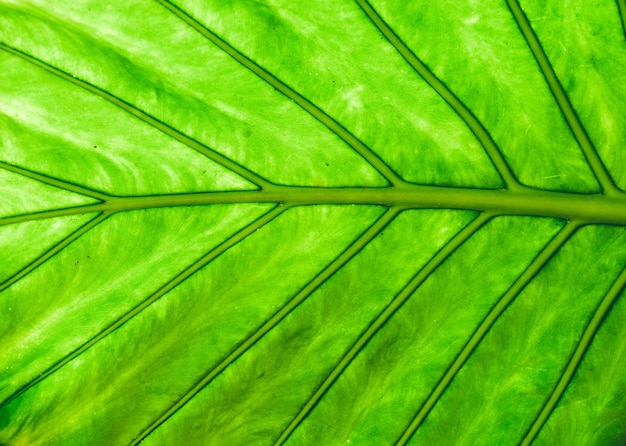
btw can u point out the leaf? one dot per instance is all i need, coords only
(263, 222)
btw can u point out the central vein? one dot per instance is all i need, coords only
(584, 208)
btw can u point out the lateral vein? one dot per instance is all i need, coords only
(382, 318)
(170, 285)
(531, 271)
(571, 117)
(54, 250)
(585, 341)
(154, 122)
(357, 145)
(273, 321)
(479, 131)
(41, 215)
(51, 181)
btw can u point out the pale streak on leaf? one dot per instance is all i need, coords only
(273, 321)
(163, 127)
(436, 84)
(579, 132)
(383, 317)
(572, 366)
(533, 269)
(188, 272)
(374, 160)
(55, 182)
(54, 250)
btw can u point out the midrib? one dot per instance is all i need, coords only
(599, 209)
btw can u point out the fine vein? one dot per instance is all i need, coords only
(583, 344)
(436, 84)
(383, 317)
(273, 321)
(535, 266)
(70, 187)
(54, 250)
(154, 122)
(579, 132)
(356, 144)
(170, 285)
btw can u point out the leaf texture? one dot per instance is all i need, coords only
(266, 222)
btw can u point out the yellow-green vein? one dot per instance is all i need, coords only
(588, 209)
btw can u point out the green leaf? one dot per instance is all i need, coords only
(349, 221)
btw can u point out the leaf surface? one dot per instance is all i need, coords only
(270, 222)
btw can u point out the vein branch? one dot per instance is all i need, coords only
(145, 117)
(54, 250)
(76, 210)
(170, 285)
(596, 320)
(490, 147)
(51, 181)
(273, 321)
(374, 160)
(571, 117)
(531, 271)
(382, 318)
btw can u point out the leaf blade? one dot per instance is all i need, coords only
(180, 305)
